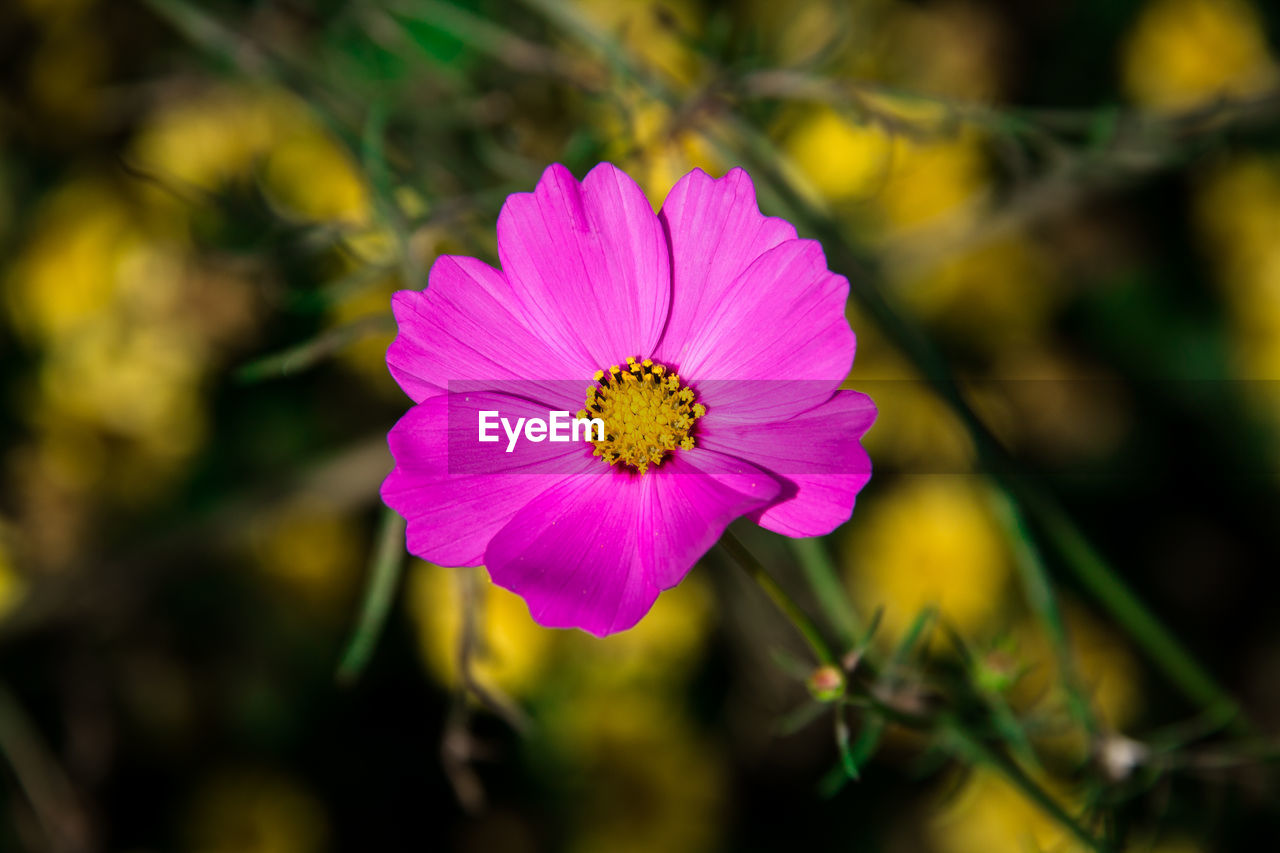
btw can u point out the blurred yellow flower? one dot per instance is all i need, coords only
(797, 33)
(928, 540)
(255, 811)
(842, 160)
(933, 179)
(140, 383)
(990, 815)
(998, 294)
(914, 429)
(647, 143)
(515, 653)
(1185, 52)
(232, 134)
(100, 288)
(944, 48)
(1107, 669)
(664, 647)
(903, 183)
(311, 178)
(1237, 209)
(312, 547)
(209, 140)
(1109, 674)
(12, 587)
(367, 352)
(216, 136)
(512, 651)
(68, 274)
(648, 780)
(655, 32)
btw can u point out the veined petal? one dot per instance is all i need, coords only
(776, 342)
(589, 264)
(456, 492)
(467, 325)
(593, 552)
(819, 456)
(692, 500)
(716, 231)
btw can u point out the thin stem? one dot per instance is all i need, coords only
(1079, 556)
(822, 576)
(1163, 647)
(1044, 603)
(46, 784)
(374, 157)
(795, 615)
(979, 751)
(384, 579)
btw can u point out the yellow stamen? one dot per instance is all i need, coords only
(647, 414)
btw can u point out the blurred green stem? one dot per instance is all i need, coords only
(980, 753)
(794, 613)
(825, 581)
(1079, 556)
(1146, 630)
(1044, 604)
(45, 783)
(372, 152)
(385, 569)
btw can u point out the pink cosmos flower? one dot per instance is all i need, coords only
(709, 340)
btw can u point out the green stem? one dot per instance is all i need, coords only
(1044, 603)
(373, 154)
(830, 592)
(1145, 629)
(1079, 556)
(384, 578)
(795, 615)
(978, 751)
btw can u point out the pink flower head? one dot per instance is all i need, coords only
(708, 339)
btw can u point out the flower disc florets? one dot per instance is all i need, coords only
(647, 413)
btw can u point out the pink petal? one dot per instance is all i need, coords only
(589, 263)
(757, 321)
(467, 325)
(716, 231)
(594, 551)
(819, 456)
(693, 500)
(455, 492)
(781, 318)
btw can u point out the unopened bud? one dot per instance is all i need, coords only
(826, 683)
(996, 672)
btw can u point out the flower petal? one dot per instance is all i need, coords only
(589, 263)
(693, 500)
(467, 325)
(594, 551)
(455, 492)
(776, 342)
(818, 454)
(716, 231)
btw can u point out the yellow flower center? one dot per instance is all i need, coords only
(647, 413)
